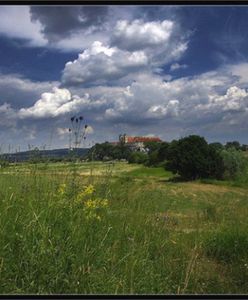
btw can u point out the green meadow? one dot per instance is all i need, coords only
(118, 228)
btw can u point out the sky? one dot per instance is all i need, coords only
(166, 71)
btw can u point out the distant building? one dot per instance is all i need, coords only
(136, 143)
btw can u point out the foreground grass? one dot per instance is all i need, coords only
(154, 237)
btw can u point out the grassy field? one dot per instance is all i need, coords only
(115, 228)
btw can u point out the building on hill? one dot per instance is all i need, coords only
(136, 143)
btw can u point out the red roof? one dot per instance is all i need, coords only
(142, 139)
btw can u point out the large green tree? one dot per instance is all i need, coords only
(192, 158)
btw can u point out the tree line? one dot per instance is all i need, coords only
(190, 157)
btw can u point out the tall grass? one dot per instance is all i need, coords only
(151, 238)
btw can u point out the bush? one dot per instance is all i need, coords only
(234, 163)
(138, 157)
(4, 163)
(192, 158)
(157, 153)
(153, 159)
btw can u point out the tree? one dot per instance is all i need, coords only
(153, 159)
(191, 157)
(108, 151)
(163, 151)
(244, 147)
(233, 144)
(99, 151)
(137, 157)
(234, 163)
(216, 164)
(217, 146)
(120, 151)
(152, 146)
(153, 150)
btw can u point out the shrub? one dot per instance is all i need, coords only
(4, 163)
(138, 157)
(234, 163)
(153, 159)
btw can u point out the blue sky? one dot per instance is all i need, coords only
(168, 71)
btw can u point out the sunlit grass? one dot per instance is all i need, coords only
(145, 236)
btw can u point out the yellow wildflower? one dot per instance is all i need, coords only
(61, 189)
(89, 190)
(104, 202)
(90, 204)
(93, 207)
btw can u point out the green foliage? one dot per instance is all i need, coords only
(138, 157)
(153, 159)
(234, 144)
(244, 147)
(108, 151)
(163, 151)
(157, 153)
(121, 151)
(4, 163)
(99, 151)
(152, 146)
(234, 163)
(215, 163)
(217, 146)
(192, 158)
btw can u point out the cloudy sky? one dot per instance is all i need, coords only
(168, 71)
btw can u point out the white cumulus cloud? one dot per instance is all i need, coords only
(235, 99)
(159, 111)
(137, 34)
(58, 102)
(100, 63)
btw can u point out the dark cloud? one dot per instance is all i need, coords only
(61, 21)
(21, 92)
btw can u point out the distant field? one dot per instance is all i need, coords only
(137, 232)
